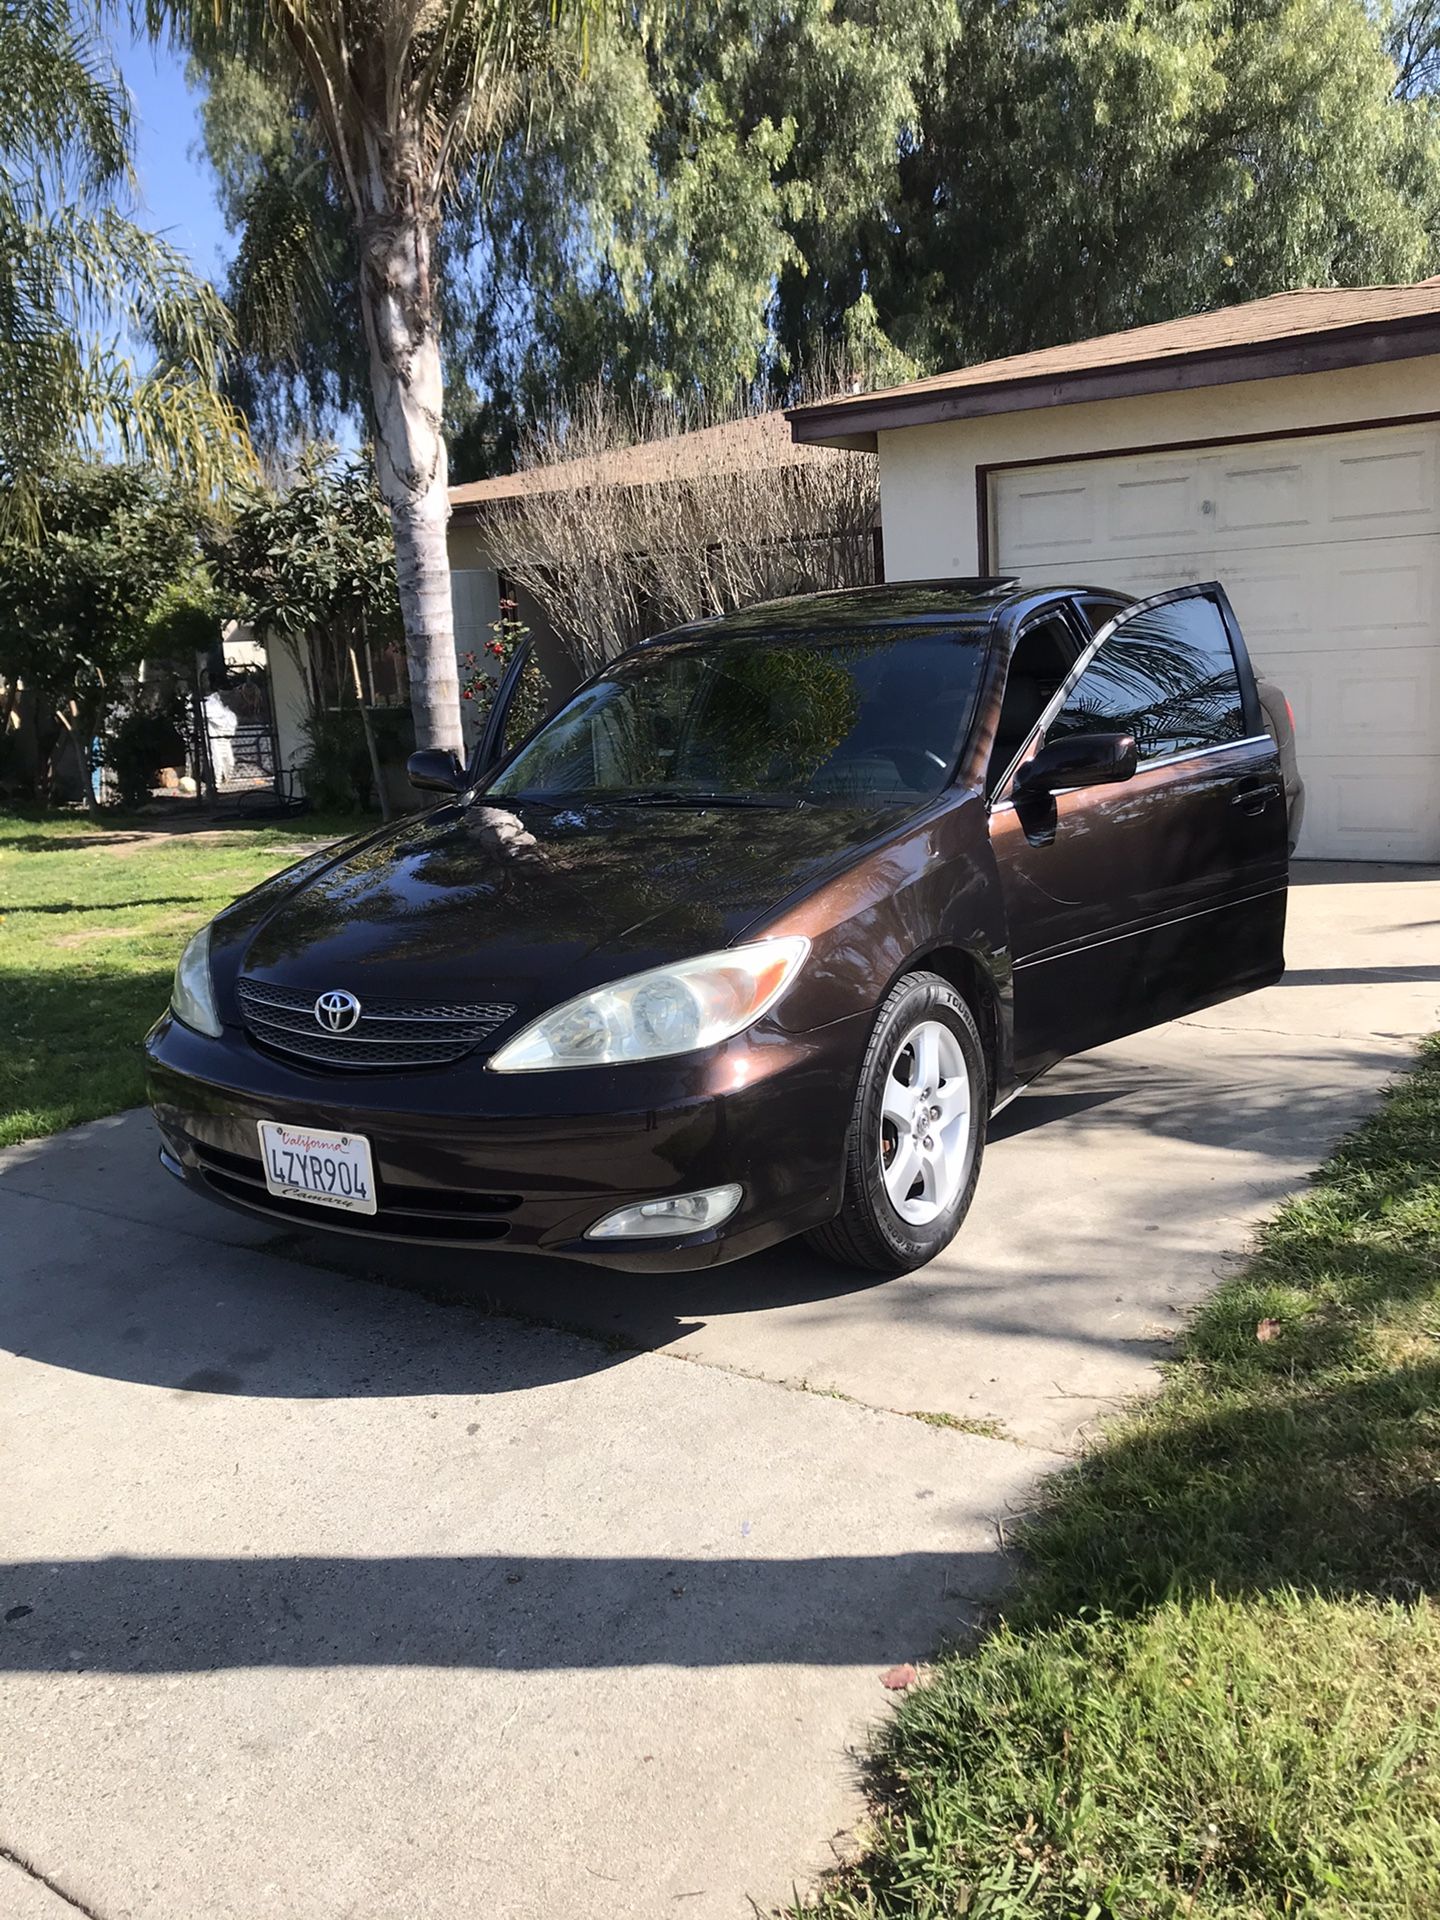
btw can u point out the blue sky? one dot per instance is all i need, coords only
(177, 188)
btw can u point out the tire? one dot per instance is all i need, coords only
(887, 1223)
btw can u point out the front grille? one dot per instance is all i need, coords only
(402, 1213)
(390, 1035)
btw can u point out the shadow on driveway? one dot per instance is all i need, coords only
(510, 1612)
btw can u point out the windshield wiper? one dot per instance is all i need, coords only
(678, 797)
(641, 797)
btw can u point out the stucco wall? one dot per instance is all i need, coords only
(289, 705)
(927, 474)
(470, 557)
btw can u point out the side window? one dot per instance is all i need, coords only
(1099, 610)
(1167, 676)
(1043, 656)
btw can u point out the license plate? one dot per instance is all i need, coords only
(327, 1169)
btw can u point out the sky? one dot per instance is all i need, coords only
(177, 188)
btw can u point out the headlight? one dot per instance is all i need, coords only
(678, 1009)
(192, 998)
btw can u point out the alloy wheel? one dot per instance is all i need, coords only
(925, 1123)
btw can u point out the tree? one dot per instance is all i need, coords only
(653, 233)
(81, 285)
(314, 564)
(78, 609)
(299, 370)
(1089, 165)
(930, 185)
(657, 517)
(1412, 38)
(405, 101)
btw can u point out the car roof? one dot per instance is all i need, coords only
(972, 601)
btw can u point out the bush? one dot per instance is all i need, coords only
(336, 774)
(146, 739)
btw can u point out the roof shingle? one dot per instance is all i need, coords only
(1304, 313)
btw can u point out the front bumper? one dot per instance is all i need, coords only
(527, 1162)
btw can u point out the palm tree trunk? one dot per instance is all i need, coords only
(398, 306)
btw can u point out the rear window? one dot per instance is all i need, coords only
(860, 718)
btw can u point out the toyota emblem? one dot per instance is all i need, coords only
(337, 1011)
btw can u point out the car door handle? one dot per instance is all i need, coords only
(1255, 795)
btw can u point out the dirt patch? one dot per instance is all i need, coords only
(84, 938)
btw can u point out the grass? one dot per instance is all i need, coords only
(986, 1429)
(93, 914)
(1216, 1692)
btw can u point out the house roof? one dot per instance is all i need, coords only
(757, 441)
(1307, 330)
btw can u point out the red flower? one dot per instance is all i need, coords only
(468, 694)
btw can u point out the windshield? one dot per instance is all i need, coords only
(864, 719)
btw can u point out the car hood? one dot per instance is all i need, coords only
(522, 899)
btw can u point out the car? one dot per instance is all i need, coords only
(1275, 710)
(1279, 718)
(750, 939)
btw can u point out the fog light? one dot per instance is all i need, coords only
(681, 1213)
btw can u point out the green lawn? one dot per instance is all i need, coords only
(1217, 1689)
(93, 913)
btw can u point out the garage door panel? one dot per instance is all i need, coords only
(1144, 508)
(1358, 812)
(1330, 549)
(1259, 495)
(1273, 595)
(1371, 600)
(1049, 516)
(1338, 597)
(1308, 491)
(1385, 487)
(1386, 707)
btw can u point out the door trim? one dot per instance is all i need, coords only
(984, 519)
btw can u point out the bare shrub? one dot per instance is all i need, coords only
(631, 522)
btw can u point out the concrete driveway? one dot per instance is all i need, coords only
(496, 1590)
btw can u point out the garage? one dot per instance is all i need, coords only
(1288, 447)
(1330, 549)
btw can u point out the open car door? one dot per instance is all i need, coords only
(1148, 893)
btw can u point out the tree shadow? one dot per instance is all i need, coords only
(104, 906)
(1334, 1491)
(518, 1612)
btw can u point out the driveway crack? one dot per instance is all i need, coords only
(51, 1886)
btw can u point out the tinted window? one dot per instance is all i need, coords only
(1043, 656)
(1167, 676)
(1100, 611)
(863, 718)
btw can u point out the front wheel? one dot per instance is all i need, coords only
(917, 1132)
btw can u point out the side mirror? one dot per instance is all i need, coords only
(435, 770)
(1078, 760)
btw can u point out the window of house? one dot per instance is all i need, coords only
(1167, 676)
(383, 680)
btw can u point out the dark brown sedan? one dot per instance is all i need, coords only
(750, 939)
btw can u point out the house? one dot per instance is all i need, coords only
(1289, 447)
(480, 534)
(483, 521)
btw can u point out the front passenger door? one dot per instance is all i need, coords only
(1135, 902)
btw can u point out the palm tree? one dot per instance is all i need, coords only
(82, 287)
(406, 98)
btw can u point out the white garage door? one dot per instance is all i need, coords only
(1330, 550)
